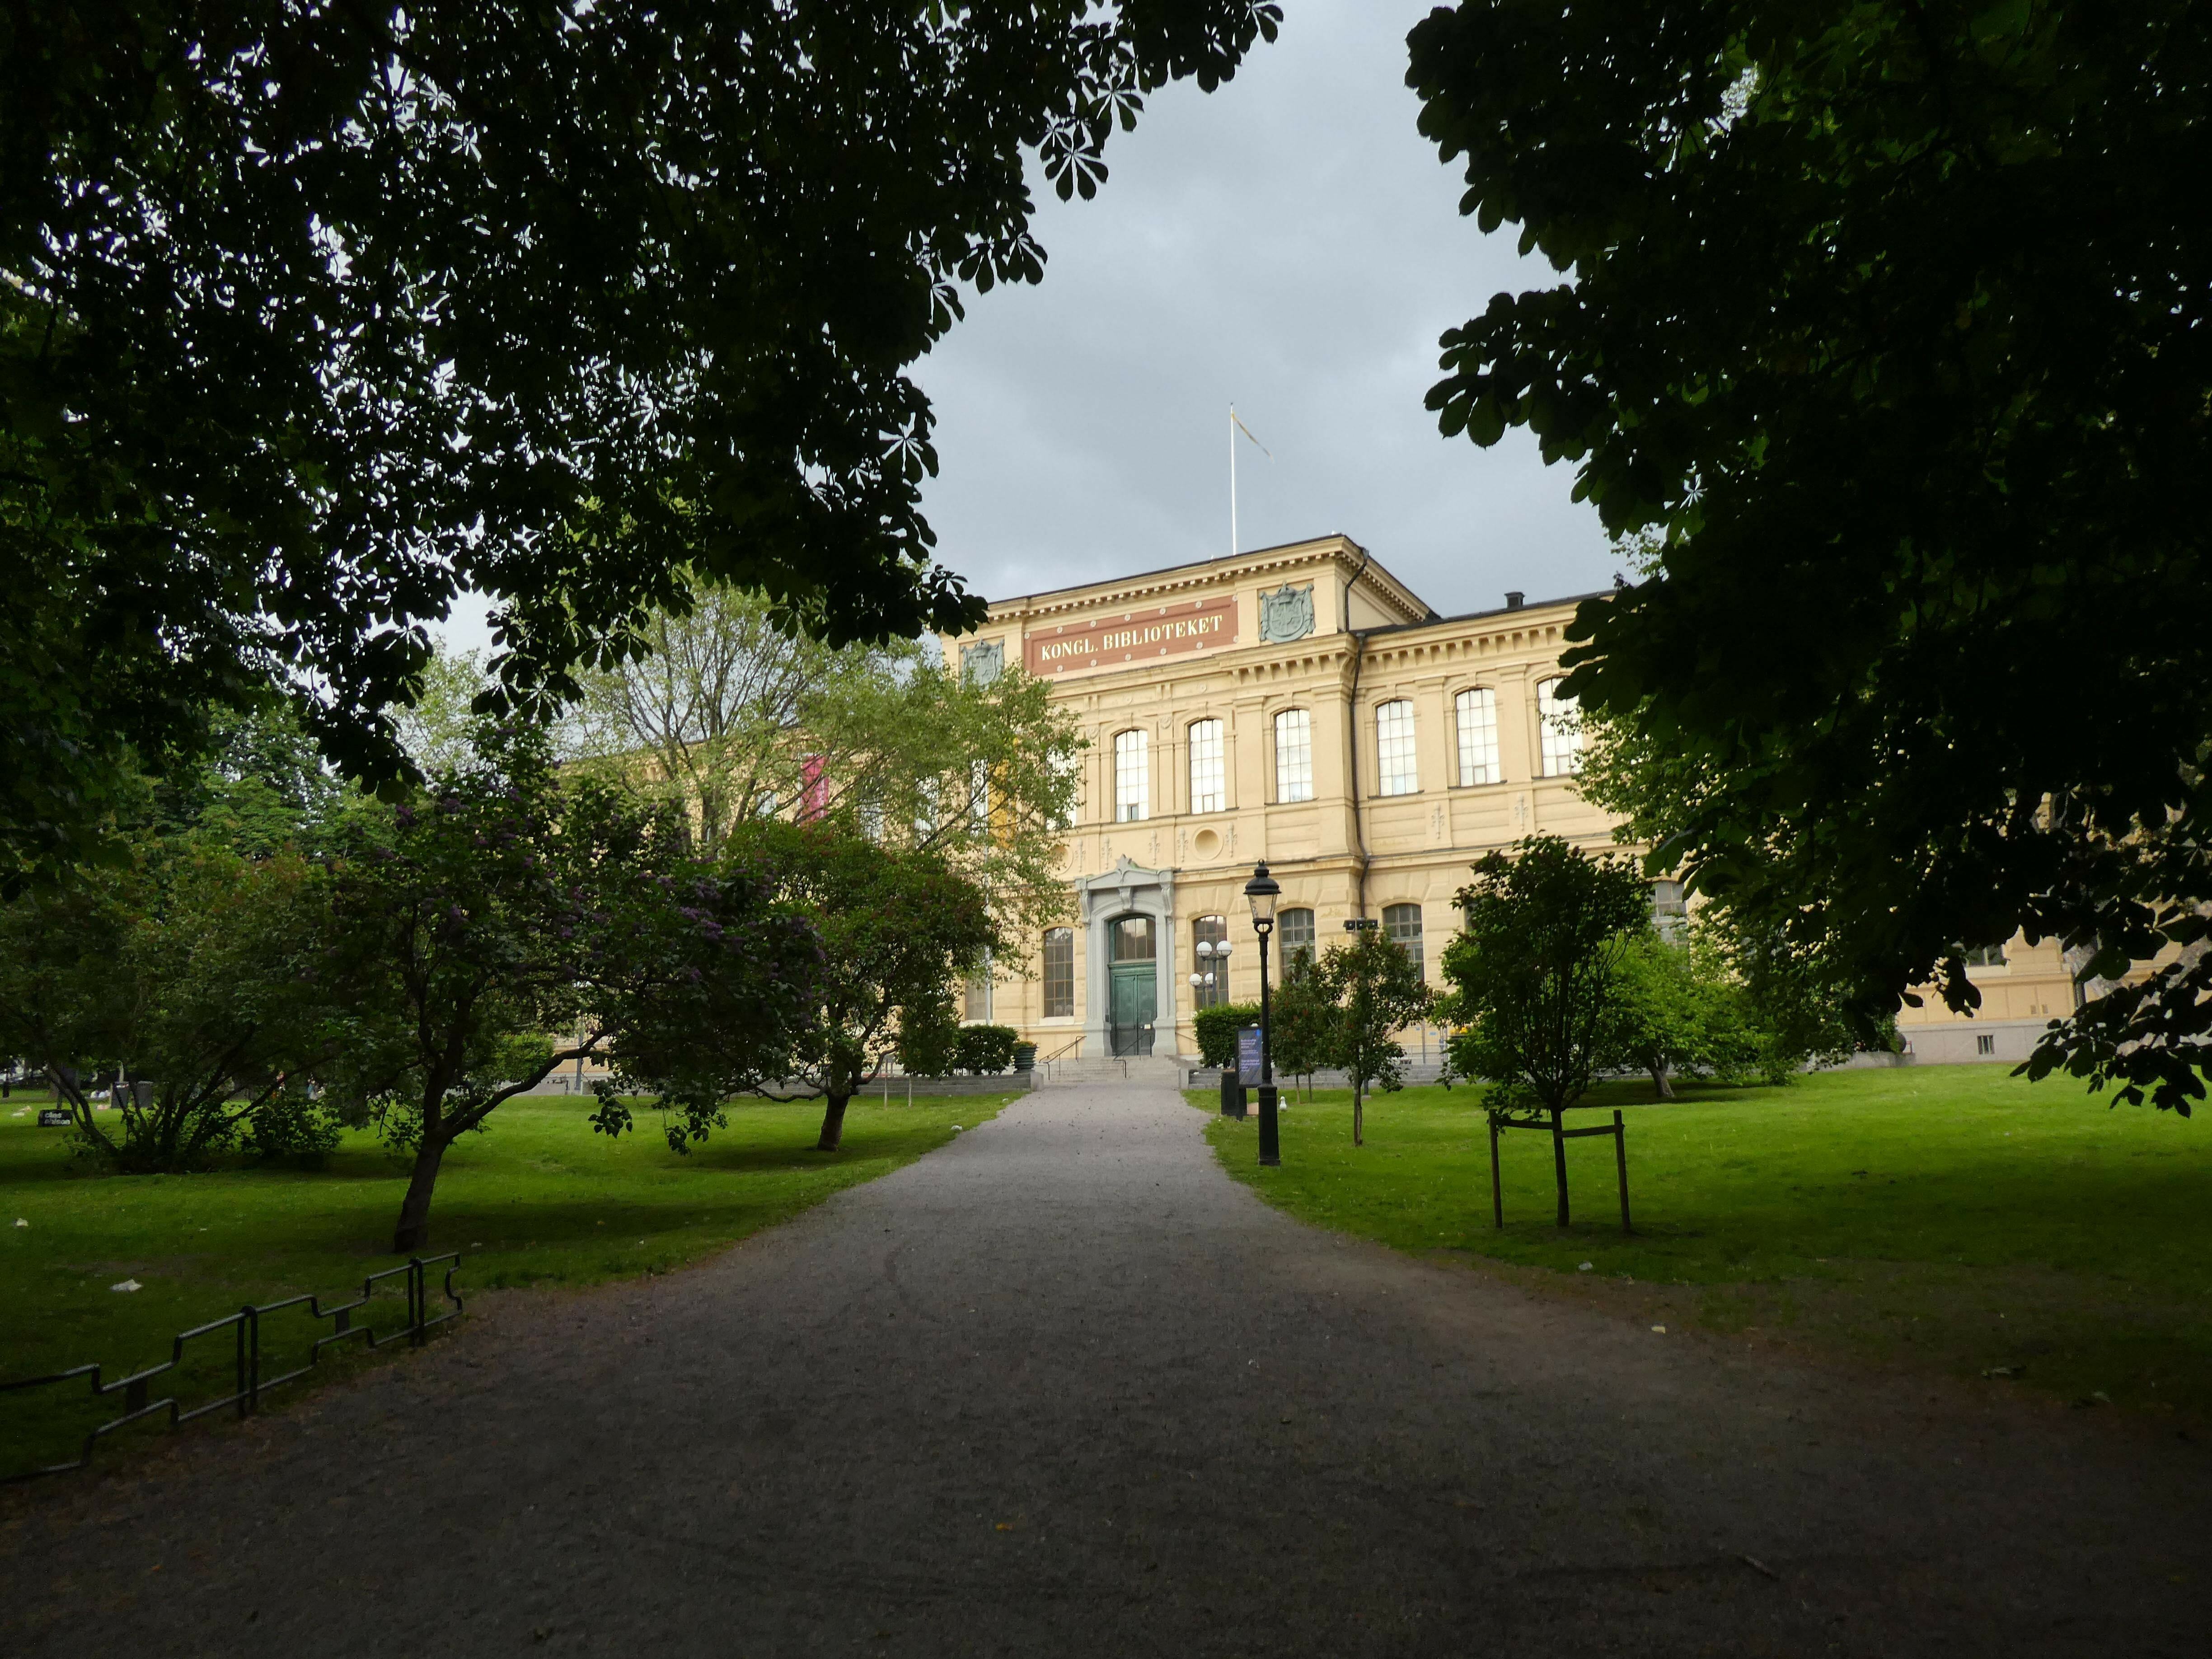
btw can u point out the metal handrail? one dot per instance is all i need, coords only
(247, 1326)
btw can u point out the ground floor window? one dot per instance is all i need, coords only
(1059, 973)
(1295, 930)
(1209, 979)
(1402, 926)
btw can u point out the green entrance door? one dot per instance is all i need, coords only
(1133, 985)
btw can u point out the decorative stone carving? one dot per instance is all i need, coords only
(1286, 614)
(982, 662)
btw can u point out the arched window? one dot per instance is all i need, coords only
(1133, 777)
(1396, 770)
(1294, 929)
(1209, 956)
(1059, 973)
(1131, 939)
(1477, 710)
(1294, 755)
(1402, 926)
(1209, 773)
(1559, 730)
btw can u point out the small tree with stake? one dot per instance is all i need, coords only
(1535, 970)
(1374, 990)
(896, 927)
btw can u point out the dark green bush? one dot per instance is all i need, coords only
(1217, 1030)
(986, 1050)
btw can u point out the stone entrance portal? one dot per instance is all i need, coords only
(1128, 937)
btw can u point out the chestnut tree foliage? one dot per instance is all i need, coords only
(1886, 324)
(313, 315)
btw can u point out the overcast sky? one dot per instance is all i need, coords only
(1289, 244)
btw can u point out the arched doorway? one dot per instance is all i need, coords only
(1132, 949)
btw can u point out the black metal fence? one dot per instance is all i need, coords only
(244, 1325)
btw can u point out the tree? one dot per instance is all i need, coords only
(186, 976)
(1918, 657)
(897, 928)
(1302, 1020)
(1374, 988)
(1536, 971)
(1679, 1012)
(736, 716)
(504, 906)
(313, 317)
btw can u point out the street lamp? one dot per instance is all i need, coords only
(1262, 892)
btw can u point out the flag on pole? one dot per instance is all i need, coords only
(1247, 431)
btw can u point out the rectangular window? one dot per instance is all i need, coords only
(1985, 1045)
(1294, 755)
(1132, 779)
(1478, 736)
(1067, 764)
(1210, 961)
(1402, 926)
(1397, 773)
(1209, 781)
(1059, 973)
(1559, 730)
(1295, 930)
(978, 1004)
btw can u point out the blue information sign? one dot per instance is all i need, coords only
(1247, 1053)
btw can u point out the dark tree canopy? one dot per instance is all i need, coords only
(1889, 333)
(312, 316)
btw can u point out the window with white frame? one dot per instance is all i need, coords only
(1209, 773)
(1294, 931)
(1209, 943)
(1402, 926)
(1477, 710)
(1397, 774)
(1132, 778)
(1067, 763)
(1559, 730)
(1294, 754)
(1059, 973)
(976, 1005)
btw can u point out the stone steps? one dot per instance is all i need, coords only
(1165, 1070)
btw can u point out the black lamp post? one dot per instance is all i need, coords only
(1262, 890)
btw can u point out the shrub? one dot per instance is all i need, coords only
(1217, 1029)
(985, 1049)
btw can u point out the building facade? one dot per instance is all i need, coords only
(1300, 705)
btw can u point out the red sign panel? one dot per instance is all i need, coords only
(1133, 636)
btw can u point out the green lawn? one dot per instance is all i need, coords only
(538, 1200)
(1947, 1216)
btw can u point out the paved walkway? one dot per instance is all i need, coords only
(1063, 1388)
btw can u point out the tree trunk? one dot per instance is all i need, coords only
(1359, 1114)
(413, 1233)
(833, 1124)
(1661, 1088)
(1559, 1160)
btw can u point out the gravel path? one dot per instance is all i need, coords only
(1064, 1387)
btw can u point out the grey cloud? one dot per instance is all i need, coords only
(1289, 243)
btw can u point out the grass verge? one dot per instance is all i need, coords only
(537, 1200)
(1948, 1217)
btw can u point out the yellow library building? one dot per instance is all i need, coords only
(1301, 706)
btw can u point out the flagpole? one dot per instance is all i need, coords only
(1232, 481)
